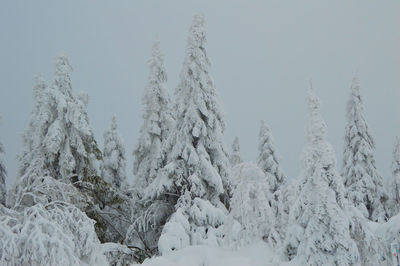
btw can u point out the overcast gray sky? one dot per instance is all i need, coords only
(263, 53)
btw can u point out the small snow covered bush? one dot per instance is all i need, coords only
(53, 234)
(250, 204)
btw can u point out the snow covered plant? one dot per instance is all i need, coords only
(53, 234)
(149, 156)
(59, 141)
(394, 183)
(319, 227)
(195, 179)
(114, 159)
(250, 204)
(364, 185)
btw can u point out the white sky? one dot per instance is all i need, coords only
(263, 53)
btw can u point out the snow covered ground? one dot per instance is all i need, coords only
(258, 254)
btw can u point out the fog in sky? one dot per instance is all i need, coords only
(262, 52)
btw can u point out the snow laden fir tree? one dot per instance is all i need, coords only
(268, 161)
(364, 185)
(158, 119)
(61, 158)
(195, 179)
(394, 203)
(149, 157)
(59, 140)
(319, 228)
(114, 159)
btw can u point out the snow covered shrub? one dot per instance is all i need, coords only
(53, 234)
(121, 255)
(195, 222)
(371, 248)
(31, 189)
(388, 233)
(250, 204)
(106, 205)
(145, 232)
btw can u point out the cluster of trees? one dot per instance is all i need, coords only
(70, 196)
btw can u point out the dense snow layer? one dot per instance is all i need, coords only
(258, 254)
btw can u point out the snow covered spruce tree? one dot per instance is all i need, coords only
(268, 159)
(319, 228)
(195, 180)
(59, 135)
(158, 119)
(364, 185)
(394, 189)
(3, 174)
(32, 155)
(60, 150)
(235, 155)
(113, 169)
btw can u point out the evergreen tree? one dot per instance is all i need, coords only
(319, 231)
(394, 203)
(364, 185)
(59, 141)
(235, 155)
(158, 119)
(114, 160)
(195, 179)
(60, 150)
(41, 116)
(3, 174)
(268, 158)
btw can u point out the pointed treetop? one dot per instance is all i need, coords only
(316, 128)
(113, 123)
(197, 34)
(156, 64)
(355, 102)
(62, 64)
(264, 128)
(62, 80)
